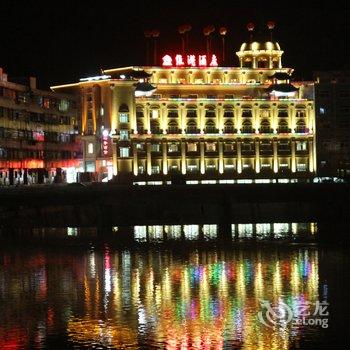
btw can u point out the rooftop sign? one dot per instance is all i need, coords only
(189, 61)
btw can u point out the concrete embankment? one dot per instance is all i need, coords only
(104, 205)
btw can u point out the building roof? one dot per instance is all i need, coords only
(131, 74)
(256, 46)
(144, 87)
(282, 88)
(280, 76)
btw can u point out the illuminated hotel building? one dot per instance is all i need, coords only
(191, 116)
(39, 140)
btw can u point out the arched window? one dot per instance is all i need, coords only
(301, 127)
(210, 127)
(247, 127)
(123, 113)
(283, 126)
(265, 126)
(173, 127)
(229, 127)
(155, 129)
(192, 127)
(140, 127)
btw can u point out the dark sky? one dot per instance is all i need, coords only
(60, 41)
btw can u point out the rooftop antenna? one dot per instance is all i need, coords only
(207, 31)
(155, 35)
(223, 32)
(271, 26)
(147, 34)
(250, 27)
(183, 30)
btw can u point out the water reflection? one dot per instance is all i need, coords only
(115, 299)
(168, 233)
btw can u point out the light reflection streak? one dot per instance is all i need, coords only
(206, 300)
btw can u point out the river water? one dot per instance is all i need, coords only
(182, 297)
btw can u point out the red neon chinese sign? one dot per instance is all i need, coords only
(189, 61)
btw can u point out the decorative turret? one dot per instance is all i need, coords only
(260, 54)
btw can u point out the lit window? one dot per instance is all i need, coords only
(211, 146)
(154, 113)
(141, 169)
(102, 111)
(155, 169)
(124, 152)
(63, 105)
(173, 147)
(228, 147)
(139, 146)
(192, 168)
(301, 167)
(124, 135)
(192, 147)
(123, 117)
(155, 147)
(301, 146)
(283, 165)
(90, 148)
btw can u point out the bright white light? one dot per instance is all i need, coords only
(144, 93)
(122, 76)
(105, 133)
(97, 77)
(280, 93)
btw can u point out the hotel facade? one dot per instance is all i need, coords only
(199, 121)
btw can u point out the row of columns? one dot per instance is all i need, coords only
(183, 164)
(256, 118)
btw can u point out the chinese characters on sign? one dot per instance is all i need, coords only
(105, 142)
(189, 61)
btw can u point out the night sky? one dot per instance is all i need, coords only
(60, 42)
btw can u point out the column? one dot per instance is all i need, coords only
(164, 157)
(239, 156)
(115, 157)
(256, 118)
(221, 156)
(238, 118)
(163, 119)
(275, 156)
(292, 118)
(293, 160)
(147, 119)
(202, 159)
(274, 119)
(183, 156)
(208, 77)
(134, 161)
(254, 62)
(201, 118)
(220, 119)
(311, 156)
(182, 117)
(148, 160)
(270, 62)
(257, 156)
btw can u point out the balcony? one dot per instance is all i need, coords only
(192, 130)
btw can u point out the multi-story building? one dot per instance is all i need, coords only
(332, 98)
(191, 116)
(39, 139)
